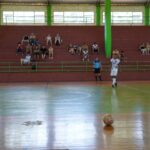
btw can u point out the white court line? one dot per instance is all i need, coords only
(136, 89)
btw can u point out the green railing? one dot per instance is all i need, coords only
(10, 67)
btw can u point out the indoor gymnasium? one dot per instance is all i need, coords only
(74, 75)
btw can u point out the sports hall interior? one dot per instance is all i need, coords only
(58, 105)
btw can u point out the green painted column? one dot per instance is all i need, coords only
(147, 16)
(49, 15)
(107, 28)
(0, 15)
(98, 20)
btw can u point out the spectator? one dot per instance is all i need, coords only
(36, 52)
(19, 48)
(26, 60)
(28, 48)
(95, 48)
(25, 39)
(97, 69)
(71, 49)
(143, 49)
(49, 40)
(85, 52)
(58, 40)
(79, 50)
(43, 51)
(50, 52)
(32, 39)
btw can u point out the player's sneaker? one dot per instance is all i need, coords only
(113, 86)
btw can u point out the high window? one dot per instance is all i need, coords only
(24, 17)
(73, 17)
(125, 17)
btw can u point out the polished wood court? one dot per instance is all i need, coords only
(68, 116)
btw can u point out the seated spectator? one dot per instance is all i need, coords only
(28, 49)
(19, 48)
(95, 48)
(49, 40)
(85, 46)
(71, 49)
(79, 50)
(58, 40)
(32, 39)
(25, 39)
(43, 51)
(36, 52)
(85, 53)
(143, 49)
(50, 52)
(26, 60)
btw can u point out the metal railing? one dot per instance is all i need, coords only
(16, 67)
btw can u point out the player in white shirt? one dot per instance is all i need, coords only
(114, 70)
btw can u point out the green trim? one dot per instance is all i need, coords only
(49, 15)
(98, 15)
(147, 15)
(1, 16)
(108, 38)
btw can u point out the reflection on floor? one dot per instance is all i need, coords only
(68, 116)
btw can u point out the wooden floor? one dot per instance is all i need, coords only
(68, 116)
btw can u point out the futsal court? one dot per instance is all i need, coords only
(68, 116)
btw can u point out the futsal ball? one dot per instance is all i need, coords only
(108, 120)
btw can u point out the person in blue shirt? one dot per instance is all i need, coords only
(97, 69)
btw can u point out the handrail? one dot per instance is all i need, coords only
(71, 66)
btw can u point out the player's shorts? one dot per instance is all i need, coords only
(114, 72)
(97, 70)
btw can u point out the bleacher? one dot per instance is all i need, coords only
(64, 66)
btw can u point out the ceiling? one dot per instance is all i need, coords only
(74, 1)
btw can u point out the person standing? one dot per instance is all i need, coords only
(114, 69)
(97, 69)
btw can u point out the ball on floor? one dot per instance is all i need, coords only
(108, 120)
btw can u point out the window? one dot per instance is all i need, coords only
(73, 18)
(23, 17)
(125, 17)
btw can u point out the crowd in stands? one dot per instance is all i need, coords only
(83, 50)
(31, 48)
(145, 48)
